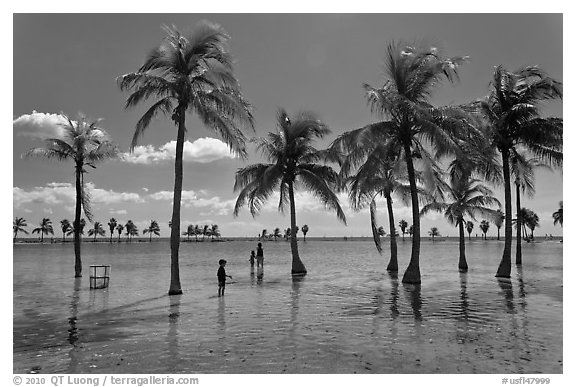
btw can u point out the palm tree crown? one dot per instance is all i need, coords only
(154, 228)
(20, 223)
(45, 228)
(190, 74)
(293, 162)
(558, 215)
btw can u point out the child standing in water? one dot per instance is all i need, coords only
(252, 257)
(259, 256)
(222, 277)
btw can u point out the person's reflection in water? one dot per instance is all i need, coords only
(172, 339)
(73, 333)
(222, 315)
(260, 274)
(252, 276)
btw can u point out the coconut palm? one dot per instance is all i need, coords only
(403, 225)
(484, 226)
(112, 223)
(294, 161)
(189, 231)
(119, 228)
(205, 231)
(264, 234)
(45, 228)
(72, 229)
(512, 119)
(465, 197)
(277, 234)
(130, 227)
(531, 220)
(469, 228)
(190, 74)
(410, 231)
(85, 144)
(154, 228)
(498, 220)
(411, 122)
(197, 231)
(305, 231)
(434, 233)
(64, 226)
(558, 215)
(214, 231)
(20, 223)
(97, 230)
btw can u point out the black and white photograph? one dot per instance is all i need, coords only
(267, 193)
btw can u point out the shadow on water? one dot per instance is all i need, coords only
(172, 337)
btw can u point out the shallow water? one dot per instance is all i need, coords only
(348, 315)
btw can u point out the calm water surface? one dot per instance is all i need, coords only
(347, 315)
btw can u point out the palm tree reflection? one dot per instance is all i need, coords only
(72, 321)
(415, 296)
(172, 338)
(394, 295)
(506, 287)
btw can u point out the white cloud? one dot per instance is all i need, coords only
(39, 125)
(203, 150)
(65, 193)
(118, 212)
(192, 199)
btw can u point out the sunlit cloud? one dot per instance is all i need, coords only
(39, 125)
(212, 205)
(203, 150)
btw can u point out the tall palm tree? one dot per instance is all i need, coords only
(484, 226)
(498, 220)
(512, 118)
(97, 230)
(214, 231)
(294, 161)
(45, 228)
(403, 225)
(466, 197)
(558, 215)
(305, 230)
(20, 223)
(434, 233)
(469, 228)
(112, 223)
(64, 226)
(154, 228)
(85, 144)
(411, 122)
(190, 74)
(119, 228)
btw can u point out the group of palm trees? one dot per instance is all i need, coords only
(277, 233)
(402, 154)
(212, 231)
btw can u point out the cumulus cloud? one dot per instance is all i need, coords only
(203, 150)
(65, 193)
(118, 212)
(39, 125)
(201, 199)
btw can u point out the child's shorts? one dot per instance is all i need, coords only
(221, 284)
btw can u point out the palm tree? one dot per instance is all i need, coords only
(558, 215)
(264, 234)
(20, 223)
(189, 231)
(484, 226)
(277, 234)
(190, 73)
(532, 221)
(512, 116)
(205, 231)
(403, 224)
(214, 231)
(85, 144)
(45, 228)
(466, 197)
(130, 227)
(410, 231)
(197, 231)
(119, 228)
(434, 233)
(112, 223)
(412, 122)
(305, 231)
(152, 229)
(293, 161)
(72, 229)
(64, 226)
(97, 230)
(498, 220)
(469, 228)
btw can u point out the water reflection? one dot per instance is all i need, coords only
(73, 332)
(252, 276)
(294, 300)
(506, 289)
(414, 293)
(464, 304)
(394, 295)
(172, 338)
(260, 275)
(222, 314)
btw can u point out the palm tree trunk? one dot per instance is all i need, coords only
(518, 229)
(462, 264)
(297, 264)
(77, 215)
(505, 266)
(412, 273)
(498, 233)
(175, 287)
(118, 237)
(393, 264)
(15, 234)
(41, 236)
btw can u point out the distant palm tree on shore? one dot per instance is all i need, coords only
(559, 215)
(45, 228)
(18, 225)
(434, 232)
(97, 230)
(305, 231)
(484, 226)
(154, 228)
(469, 228)
(112, 223)
(64, 226)
(119, 228)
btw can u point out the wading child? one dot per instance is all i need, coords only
(222, 277)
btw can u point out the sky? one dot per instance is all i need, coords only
(69, 63)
